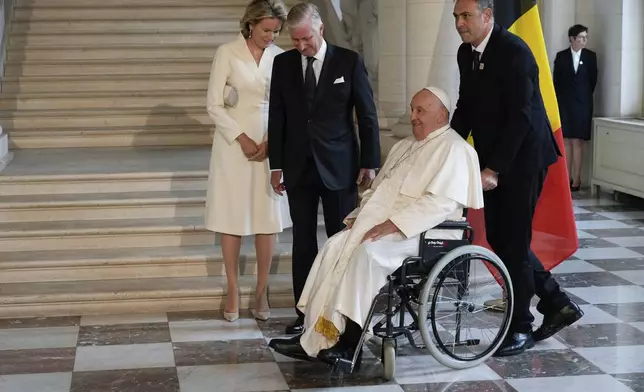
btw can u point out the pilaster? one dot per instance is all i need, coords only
(432, 44)
(392, 47)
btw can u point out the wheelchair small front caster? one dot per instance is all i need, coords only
(388, 358)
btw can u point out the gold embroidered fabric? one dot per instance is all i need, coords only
(326, 328)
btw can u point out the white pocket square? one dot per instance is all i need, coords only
(339, 80)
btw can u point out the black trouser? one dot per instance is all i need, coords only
(509, 210)
(304, 199)
(352, 334)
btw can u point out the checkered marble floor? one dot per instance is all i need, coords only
(199, 351)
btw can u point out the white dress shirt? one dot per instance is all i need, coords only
(317, 64)
(483, 44)
(576, 56)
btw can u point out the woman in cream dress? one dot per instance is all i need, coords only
(240, 201)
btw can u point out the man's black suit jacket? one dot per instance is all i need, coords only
(327, 133)
(501, 104)
(575, 91)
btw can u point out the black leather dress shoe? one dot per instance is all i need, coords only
(289, 347)
(557, 321)
(297, 327)
(515, 343)
(340, 351)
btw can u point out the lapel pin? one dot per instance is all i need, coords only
(481, 66)
(580, 62)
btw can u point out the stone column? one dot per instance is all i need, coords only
(334, 29)
(432, 44)
(392, 42)
(369, 32)
(556, 18)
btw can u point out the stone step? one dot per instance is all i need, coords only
(129, 10)
(104, 83)
(111, 67)
(92, 183)
(126, 38)
(100, 206)
(184, 135)
(135, 26)
(109, 182)
(101, 234)
(129, 263)
(57, 235)
(161, 116)
(100, 100)
(106, 170)
(47, 299)
(54, 53)
(130, 4)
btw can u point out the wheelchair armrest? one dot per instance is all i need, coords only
(453, 225)
(449, 225)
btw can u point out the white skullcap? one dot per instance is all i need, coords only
(441, 95)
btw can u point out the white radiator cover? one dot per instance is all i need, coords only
(618, 161)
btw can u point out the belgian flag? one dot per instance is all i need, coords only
(554, 233)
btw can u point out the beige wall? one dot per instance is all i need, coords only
(431, 43)
(617, 35)
(632, 98)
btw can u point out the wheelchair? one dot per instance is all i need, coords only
(417, 289)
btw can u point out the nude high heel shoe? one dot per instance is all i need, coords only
(261, 315)
(232, 316)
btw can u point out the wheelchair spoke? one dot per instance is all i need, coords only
(446, 307)
(464, 328)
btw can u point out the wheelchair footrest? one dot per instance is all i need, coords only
(467, 342)
(344, 365)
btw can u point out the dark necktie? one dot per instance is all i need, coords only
(310, 84)
(477, 60)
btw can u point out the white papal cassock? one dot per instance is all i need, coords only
(422, 184)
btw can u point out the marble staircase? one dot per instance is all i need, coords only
(101, 210)
(113, 73)
(107, 230)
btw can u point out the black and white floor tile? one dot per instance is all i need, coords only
(199, 351)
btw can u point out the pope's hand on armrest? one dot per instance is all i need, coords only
(384, 229)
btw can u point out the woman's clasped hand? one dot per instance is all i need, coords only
(252, 151)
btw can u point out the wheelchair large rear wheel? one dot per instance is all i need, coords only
(447, 301)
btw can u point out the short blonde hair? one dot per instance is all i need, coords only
(262, 9)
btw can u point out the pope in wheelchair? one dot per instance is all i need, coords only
(428, 178)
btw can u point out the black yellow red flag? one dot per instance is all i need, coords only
(554, 233)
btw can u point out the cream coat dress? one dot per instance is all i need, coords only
(240, 200)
